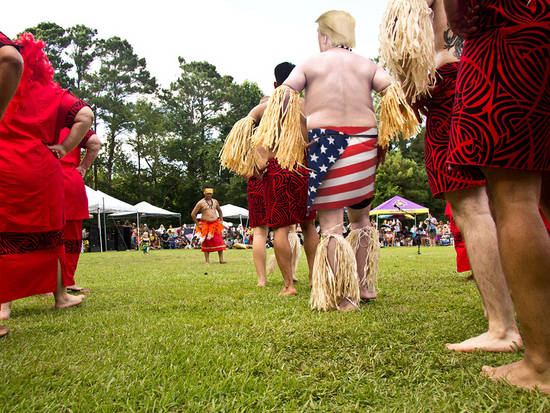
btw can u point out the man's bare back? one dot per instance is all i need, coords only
(448, 46)
(338, 87)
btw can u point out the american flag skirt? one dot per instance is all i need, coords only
(343, 166)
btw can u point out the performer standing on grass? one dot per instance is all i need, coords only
(342, 154)
(76, 201)
(285, 193)
(500, 131)
(417, 43)
(210, 226)
(31, 179)
(11, 68)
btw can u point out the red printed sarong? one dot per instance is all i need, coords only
(255, 192)
(441, 177)
(211, 235)
(502, 106)
(286, 196)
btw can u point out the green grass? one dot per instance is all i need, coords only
(158, 334)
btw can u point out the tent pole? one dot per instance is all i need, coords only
(105, 225)
(99, 230)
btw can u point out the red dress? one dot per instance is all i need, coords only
(31, 187)
(462, 262)
(76, 207)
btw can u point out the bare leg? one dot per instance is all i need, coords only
(4, 331)
(359, 218)
(62, 299)
(5, 310)
(206, 257)
(525, 253)
(311, 241)
(473, 218)
(331, 222)
(220, 257)
(284, 259)
(295, 251)
(258, 253)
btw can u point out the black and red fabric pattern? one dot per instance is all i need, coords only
(21, 243)
(5, 41)
(502, 105)
(255, 192)
(441, 177)
(286, 196)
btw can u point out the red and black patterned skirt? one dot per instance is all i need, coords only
(502, 106)
(442, 177)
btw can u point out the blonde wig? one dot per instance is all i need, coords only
(338, 26)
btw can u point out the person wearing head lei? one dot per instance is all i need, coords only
(209, 228)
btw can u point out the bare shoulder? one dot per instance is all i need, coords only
(258, 111)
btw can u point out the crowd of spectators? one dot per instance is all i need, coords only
(393, 233)
(429, 232)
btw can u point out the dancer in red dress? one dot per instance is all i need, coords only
(500, 131)
(76, 201)
(11, 68)
(31, 179)
(210, 226)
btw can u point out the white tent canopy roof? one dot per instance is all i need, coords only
(106, 204)
(232, 211)
(146, 209)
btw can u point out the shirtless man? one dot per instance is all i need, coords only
(210, 225)
(286, 199)
(342, 155)
(11, 69)
(500, 127)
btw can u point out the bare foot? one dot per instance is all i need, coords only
(261, 283)
(68, 300)
(223, 262)
(4, 331)
(74, 288)
(5, 311)
(520, 374)
(489, 342)
(288, 291)
(367, 294)
(294, 279)
(347, 305)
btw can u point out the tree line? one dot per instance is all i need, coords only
(161, 145)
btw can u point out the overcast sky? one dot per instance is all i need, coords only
(242, 38)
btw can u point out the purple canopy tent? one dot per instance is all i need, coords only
(399, 206)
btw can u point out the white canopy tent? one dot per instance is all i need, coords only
(232, 212)
(102, 203)
(145, 209)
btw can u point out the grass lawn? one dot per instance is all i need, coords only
(158, 333)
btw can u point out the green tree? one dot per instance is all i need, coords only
(122, 76)
(56, 40)
(201, 107)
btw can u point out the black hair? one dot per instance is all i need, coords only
(282, 70)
